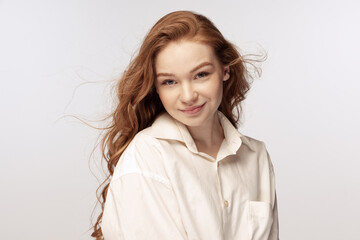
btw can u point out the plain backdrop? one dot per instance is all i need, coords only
(60, 58)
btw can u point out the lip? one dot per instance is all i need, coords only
(193, 109)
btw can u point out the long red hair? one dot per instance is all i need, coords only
(138, 102)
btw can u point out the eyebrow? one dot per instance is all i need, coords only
(193, 70)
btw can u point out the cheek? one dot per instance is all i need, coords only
(166, 97)
(213, 89)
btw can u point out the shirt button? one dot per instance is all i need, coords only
(226, 203)
(218, 164)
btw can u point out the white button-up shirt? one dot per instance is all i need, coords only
(163, 188)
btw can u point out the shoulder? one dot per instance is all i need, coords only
(144, 139)
(143, 146)
(142, 156)
(258, 147)
(254, 144)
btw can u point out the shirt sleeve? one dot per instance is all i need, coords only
(140, 202)
(274, 231)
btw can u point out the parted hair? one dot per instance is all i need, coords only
(138, 103)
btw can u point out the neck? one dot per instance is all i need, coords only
(208, 136)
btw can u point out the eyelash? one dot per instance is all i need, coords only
(166, 82)
(202, 73)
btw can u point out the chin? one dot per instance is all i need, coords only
(192, 122)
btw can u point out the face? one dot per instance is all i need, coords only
(190, 81)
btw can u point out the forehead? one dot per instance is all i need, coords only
(183, 55)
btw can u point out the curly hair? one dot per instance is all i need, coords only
(138, 102)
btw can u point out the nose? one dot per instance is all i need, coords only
(189, 94)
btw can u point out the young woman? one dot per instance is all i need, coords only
(178, 167)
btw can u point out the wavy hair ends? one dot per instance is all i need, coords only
(138, 102)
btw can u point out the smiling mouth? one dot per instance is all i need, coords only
(193, 110)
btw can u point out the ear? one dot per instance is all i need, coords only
(226, 73)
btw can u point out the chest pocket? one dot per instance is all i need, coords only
(260, 219)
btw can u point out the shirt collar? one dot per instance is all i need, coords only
(166, 127)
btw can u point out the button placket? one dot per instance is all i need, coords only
(223, 201)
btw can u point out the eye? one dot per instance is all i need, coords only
(168, 82)
(202, 74)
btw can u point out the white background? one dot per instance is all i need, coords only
(59, 58)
